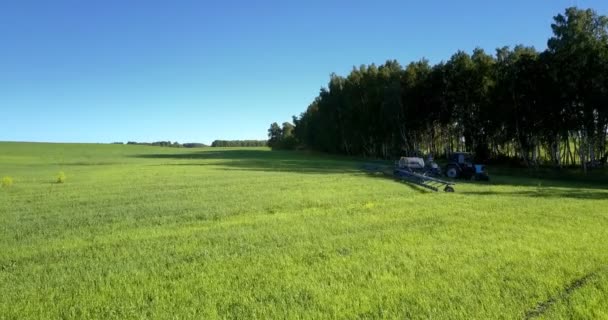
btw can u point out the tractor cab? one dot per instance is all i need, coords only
(461, 165)
(461, 158)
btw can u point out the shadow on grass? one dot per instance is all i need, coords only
(547, 193)
(316, 163)
(543, 182)
(237, 154)
(596, 179)
(260, 160)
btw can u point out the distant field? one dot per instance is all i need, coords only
(151, 232)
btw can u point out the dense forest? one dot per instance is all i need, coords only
(535, 108)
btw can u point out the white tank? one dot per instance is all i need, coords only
(411, 163)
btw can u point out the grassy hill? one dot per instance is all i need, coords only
(138, 231)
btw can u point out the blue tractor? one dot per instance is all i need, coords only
(460, 166)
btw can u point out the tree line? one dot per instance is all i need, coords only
(239, 143)
(215, 143)
(174, 144)
(548, 107)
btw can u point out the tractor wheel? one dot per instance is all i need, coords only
(448, 189)
(452, 173)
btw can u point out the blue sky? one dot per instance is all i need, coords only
(195, 71)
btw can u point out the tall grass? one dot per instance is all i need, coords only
(146, 232)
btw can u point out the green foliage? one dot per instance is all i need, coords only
(238, 143)
(249, 233)
(274, 135)
(282, 137)
(6, 182)
(194, 145)
(174, 144)
(61, 177)
(547, 107)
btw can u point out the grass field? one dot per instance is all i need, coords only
(150, 232)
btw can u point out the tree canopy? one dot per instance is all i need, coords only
(518, 103)
(282, 137)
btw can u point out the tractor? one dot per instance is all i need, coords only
(460, 165)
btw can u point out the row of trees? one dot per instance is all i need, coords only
(174, 144)
(549, 106)
(216, 143)
(239, 143)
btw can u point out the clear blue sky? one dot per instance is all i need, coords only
(195, 71)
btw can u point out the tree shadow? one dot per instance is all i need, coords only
(547, 193)
(596, 179)
(542, 187)
(317, 163)
(236, 154)
(540, 182)
(260, 160)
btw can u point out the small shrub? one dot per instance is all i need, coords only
(7, 182)
(61, 177)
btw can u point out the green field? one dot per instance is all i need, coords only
(150, 232)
